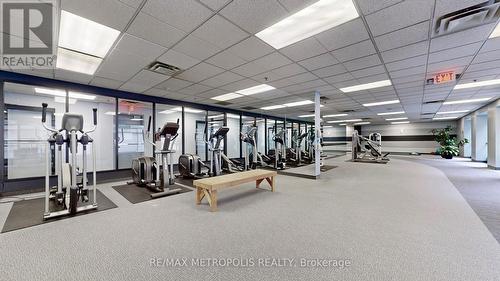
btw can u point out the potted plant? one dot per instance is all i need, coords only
(449, 145)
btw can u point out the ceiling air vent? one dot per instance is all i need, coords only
(223, 103)
(249, 108)
(433, 101)
(163, 68)
(347, 111)
(486, 12)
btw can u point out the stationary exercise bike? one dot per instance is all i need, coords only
(71, 186)
(146, 170)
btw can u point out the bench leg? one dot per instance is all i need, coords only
(213, 201)
(199, 195)
(271, 182)
(257, 183)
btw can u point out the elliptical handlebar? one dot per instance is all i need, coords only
(146, 135)
(94, 113)
(44, 119)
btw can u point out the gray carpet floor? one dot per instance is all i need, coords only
(400, 221)
(479, 185)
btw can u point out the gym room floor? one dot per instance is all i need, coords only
(401, 221)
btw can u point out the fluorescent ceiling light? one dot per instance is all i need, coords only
(343, 124)
(189, 110)
(136, 119)
(345, 121)
(62, 93)
(452, 112)
(85, 36)
(395, 119)
(255, 90)
(390, 113)
(335, 115)
(271, 107)
(316, 18)
(362, 123)
(226, 97)
(307, 115)
(465, 101)
(234, 116)
(63, 100)
(298, 103)
(110, 113)
(366, 86)
(477, 84)
(495, 32)
(444, 118)
(381, 103)
(77, 62)
(217, 116)
(400, 122)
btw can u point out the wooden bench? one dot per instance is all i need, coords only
(208, 187)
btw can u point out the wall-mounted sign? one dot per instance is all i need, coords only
(444, 77)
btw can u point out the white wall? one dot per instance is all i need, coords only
(467, 134)
(481, 142)
(411, 129)
(261, 136)
(189, 138)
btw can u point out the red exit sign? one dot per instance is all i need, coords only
(444, 77)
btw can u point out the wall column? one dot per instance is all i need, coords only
(494, 137)
(461, 133)
(473, 139)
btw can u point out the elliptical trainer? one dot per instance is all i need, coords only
(69, 189)
(145, 170)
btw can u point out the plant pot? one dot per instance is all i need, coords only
(447, 156)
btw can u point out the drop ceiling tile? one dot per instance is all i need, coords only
(408, 71)
(405, 52)
(483, 66)
(254, 16)
(293, 6)
(288, 70)
(194, 89)
(249, 69)
(454, 64)
(361, 63)
(178, 59)
(156, 92)
(200, 72)
(354, 51)
(174, 84)
(226, 60)
(240, 85)
(272, 61)
(398, 16)
(67, 75)
(220, 32)
(491, 45)
(343, 35)
(251, 48)
(215, 4)
(319, 61)
(304, 49)
(373, 77)
(330, 70)
(339, 78)
(370, 6)
(144, 80)
(375, 70)
(403, 37)
(456, 39)
(407, 63)
(453, 53)
(153, 30)
(196, 48)
(185, 15)
(222, 79)
(418, 79)
(485, 57)
(296, 79)
(139, 47)
(121, 12)
(132, 3)
(106, 83)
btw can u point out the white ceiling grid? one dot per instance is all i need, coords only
(213, 43)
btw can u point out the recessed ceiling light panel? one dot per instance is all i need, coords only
(366, 86)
